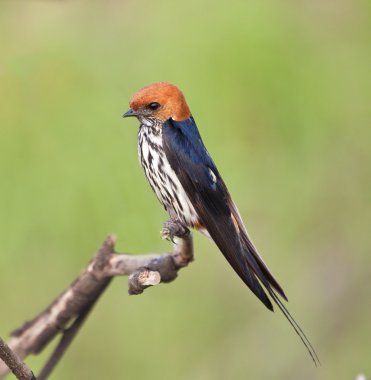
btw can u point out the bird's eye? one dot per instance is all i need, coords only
(154, 106)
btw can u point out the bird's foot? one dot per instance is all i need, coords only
(173, 228)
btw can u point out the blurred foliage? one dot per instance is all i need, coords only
(281, 93)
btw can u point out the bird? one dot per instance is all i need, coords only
(188, 184)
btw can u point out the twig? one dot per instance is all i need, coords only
(19, 369)
(74, 303)
(67, 337)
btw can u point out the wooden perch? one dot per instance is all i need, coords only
(73, 305)
(20, 369)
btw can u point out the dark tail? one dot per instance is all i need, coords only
(257, 266)
(247, 263)
(231, 238)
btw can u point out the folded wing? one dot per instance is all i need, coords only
(210, 198)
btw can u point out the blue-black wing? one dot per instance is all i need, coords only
(210, 198)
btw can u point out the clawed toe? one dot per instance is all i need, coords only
(173, 228)
(165, 234)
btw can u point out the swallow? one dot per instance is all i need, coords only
(188, 184)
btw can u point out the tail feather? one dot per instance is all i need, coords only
(251, 252)
(296, 327)
(265, 277)
(263, 267)
(229, 234)
(240, 264)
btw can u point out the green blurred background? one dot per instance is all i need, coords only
(281, 92)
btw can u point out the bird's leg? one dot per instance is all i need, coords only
(174, 228)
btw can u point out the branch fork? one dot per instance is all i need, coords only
(73, 305)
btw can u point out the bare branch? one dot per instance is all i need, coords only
(19, 369)
(74, 303)
(67, 338)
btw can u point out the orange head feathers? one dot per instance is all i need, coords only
(160, 101)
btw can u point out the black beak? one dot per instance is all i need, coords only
(129, 113)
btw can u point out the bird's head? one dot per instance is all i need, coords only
(157, 103)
